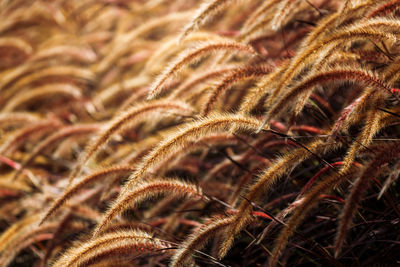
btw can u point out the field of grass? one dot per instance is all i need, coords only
(199, 133)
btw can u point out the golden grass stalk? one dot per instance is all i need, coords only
(237, 75)
(385, 9)
(347, 34)
(357, 76)
(307, 203)
(263, 183)
(257, 92)
(143, 191)
(56, 137)
(188, 86)
(17, 43)
(76, 187)
(198, 239)
(136, 113)
(71, 72)
(204, 13)
(25, 238)
(372, 126)
(83, 55)
(14, 118)
(121, 244)
(283, 10)
(18, 138)
(265, 7)
(46, 91)
(192, 55)
(192, 131)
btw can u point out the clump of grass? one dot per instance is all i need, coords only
(243, 115)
